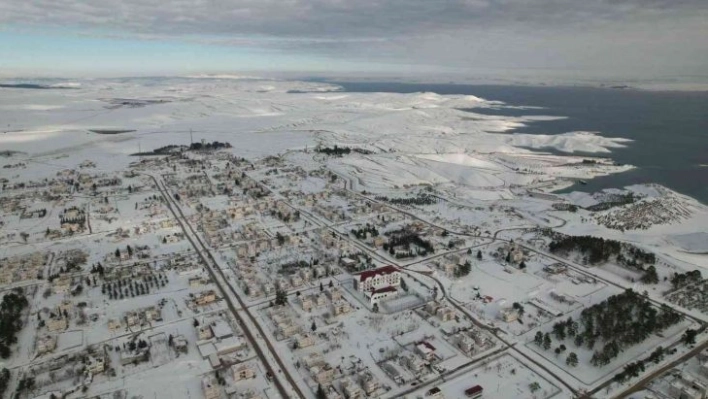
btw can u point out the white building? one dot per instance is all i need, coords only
(378, 284)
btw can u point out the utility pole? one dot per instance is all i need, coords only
(191, 139)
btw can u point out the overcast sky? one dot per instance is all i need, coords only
(598, 38)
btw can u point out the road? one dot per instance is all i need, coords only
(221, 282)
(639, 385)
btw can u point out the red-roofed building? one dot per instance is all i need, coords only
(387, 276)
(474, 392)
(376, 295)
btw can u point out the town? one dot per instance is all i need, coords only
(188, 271)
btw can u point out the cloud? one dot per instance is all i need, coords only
(546, 33)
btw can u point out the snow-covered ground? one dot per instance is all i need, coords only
(282, 218)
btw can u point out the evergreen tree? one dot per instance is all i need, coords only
(572, 359)
(320, 392)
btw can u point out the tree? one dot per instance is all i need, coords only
(546, 341)
(650, 276)
(281, 298)
(508, 257)
(331, 284)
(314, 326)
(320, 392)
(689, 337)
(321, 287)
(404, 286)
(538, 339)
(479, 254)
(117, 252)
(572, 359)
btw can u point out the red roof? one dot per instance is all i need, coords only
(475, 389)
(380, 271)
(384, 289)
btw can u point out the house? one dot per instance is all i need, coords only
(61, 284)
(466, 344)
(242, 371)
(96, 364)
(57, 324)
(426, 351)
(306, 303)
(205, 298)
(46, 344)
(304, 341)
(210, 388)
(296, 280)
(180, 343)
(341, 307)
(413, 363)
(509, 315)
(369, 383)
(204, 332)
(445, 313)
(114, 324)
(334, 294)
(134, 357)
(320, 299)
(221, 329)
(352, 390)
(323, 375)
(348, 263)
(434, 393)
(474, 392)
(131, 318)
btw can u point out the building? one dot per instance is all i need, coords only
(387, 276)
(180, 343)
(56, 324)
(205, 298)
(243, 371)
(509, 315)
(323, 375)
(434, 393)
(95, 365)
(334, 294)
(46, 344)
(413, 363)
(377, 295)
(465, 343)
(306, 303)
(304, 341)
(204, 332)
(114, 324)
(369, 383)
(445, 313)
(474, 392)
(341, 307)
(426, 351)
(210, 388)
(352, 390)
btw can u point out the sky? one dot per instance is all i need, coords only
(573, 39)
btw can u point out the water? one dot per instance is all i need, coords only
(669, 129)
